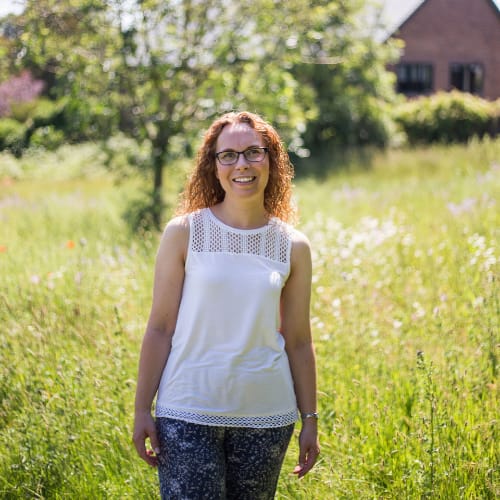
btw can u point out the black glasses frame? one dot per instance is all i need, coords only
(264, 149)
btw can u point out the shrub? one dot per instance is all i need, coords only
(495, 126)
(89, 119)
(48, 113)
(47, 137)
(22, 111)
(38, 113)
(446, 117)
(12, 135)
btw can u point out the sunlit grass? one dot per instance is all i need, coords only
(405, 315)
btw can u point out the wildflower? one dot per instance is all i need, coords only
(464, 206)
(70, 244)
(408, 240)
(478, 301)
(3, 248)
(419, 311)
(35, 279)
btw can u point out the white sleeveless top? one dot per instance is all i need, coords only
(228, 364)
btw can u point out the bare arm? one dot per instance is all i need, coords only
(167, 291)
(296, 328)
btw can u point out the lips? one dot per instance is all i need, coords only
(244, 180)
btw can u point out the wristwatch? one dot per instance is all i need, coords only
(315, 415)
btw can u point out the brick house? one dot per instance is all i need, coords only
(450, 44)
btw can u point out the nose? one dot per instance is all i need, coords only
(241, 162)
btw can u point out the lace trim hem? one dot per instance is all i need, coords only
(261, 422)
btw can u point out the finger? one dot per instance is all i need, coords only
(155, 442)
(152, 458)
(305, 466)
(302, 456)
(146, 455)
(305, 469)
(311, 460)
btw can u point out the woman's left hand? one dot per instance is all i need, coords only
(308, 447)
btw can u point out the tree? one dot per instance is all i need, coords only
(348, 74)
(68, 44)
(164, 67)
(160, 69)
(186, 61)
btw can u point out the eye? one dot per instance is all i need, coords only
(253, 153)
(228, 156)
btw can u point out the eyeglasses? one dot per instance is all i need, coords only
(251, 154)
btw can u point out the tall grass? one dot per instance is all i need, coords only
(405, 315)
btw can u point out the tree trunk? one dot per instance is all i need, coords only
(158, 157)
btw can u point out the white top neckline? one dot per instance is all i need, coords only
(237, 229)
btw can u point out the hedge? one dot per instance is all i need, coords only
(447, 117)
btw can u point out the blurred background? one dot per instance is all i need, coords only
(334, 77)
(390, 113)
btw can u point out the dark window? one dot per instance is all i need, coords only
(414, 78)
(468, 77)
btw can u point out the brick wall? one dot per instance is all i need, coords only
(442, 32)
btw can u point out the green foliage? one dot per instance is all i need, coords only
(405, 316)
(88, 119)
(125, 157)
(446, 117)
(48, 138)
(67, 163)
(46, 113)
(159, 71)
(12, 135)
(142, 213)
(352, 88)
(38, 112)
(39, 123)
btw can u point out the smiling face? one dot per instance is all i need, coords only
(205, 186)
(244, 178)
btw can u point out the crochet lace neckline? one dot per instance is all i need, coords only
(237, 229)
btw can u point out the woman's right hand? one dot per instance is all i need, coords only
(145, 428)
(157, 341)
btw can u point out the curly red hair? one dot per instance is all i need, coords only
(203, 189)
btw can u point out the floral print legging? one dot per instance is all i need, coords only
(219, 463)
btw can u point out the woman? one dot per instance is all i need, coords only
(228, 347)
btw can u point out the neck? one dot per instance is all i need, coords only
(241, 216)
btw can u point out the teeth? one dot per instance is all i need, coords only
(244, 179)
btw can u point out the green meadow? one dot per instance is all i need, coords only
(405, 316)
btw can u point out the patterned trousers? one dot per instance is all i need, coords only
(219, 463)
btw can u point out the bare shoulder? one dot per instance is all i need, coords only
(178, 224)
(178, 227)
(301, 247)
(175, 235)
